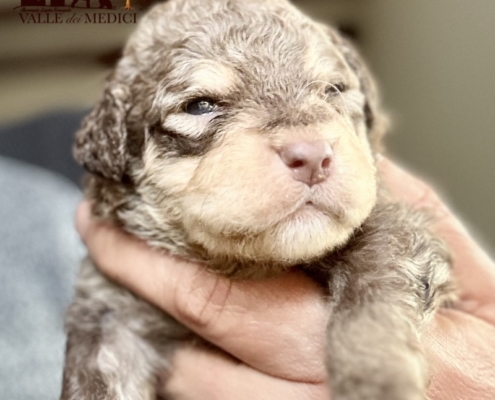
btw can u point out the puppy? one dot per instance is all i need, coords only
(243, 135)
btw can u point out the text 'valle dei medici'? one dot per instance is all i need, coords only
(38, 12)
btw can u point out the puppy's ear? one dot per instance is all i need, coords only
(376, 120)
(100, 144)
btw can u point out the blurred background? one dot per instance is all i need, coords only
(435, 61)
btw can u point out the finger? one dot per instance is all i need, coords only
(250, 320)
(208, 375)
(473, 268)
(461, 356)
(83, 218)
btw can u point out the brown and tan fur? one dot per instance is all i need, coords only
(213, 188)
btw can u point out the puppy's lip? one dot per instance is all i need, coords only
(304, 206)
(314, 208)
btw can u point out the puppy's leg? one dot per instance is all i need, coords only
(374, 351)
(383, 290)
(117, 344)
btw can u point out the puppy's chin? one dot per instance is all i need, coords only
(305, 235)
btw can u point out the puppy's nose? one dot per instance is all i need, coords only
(309, 162)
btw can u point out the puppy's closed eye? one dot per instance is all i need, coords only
(194, 119)
(335, 89)
(190, 130)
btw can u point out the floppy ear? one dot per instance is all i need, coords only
(100, 144)
(376, 120)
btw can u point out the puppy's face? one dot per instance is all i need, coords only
(252, 128)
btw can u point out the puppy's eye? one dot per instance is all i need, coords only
(200, 107)
(333, 90)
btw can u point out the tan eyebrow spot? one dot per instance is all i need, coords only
(213, 77)
(328, 64)
(204, 78)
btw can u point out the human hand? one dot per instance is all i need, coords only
(272, 332)
(460, 343)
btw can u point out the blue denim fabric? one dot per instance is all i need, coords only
(39, 257)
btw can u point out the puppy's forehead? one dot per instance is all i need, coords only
(266, 48)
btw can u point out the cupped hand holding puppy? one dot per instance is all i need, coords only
(272, 332)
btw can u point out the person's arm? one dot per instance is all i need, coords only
(272, 332)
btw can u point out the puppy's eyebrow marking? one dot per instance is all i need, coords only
(332, 70)
(327, 64)
(192, 79)
(213, 77)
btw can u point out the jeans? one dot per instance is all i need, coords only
(39, 257)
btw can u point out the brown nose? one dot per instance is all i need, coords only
(309, 162)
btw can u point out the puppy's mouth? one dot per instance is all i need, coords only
(309, 208)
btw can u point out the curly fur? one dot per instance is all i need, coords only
(213, 188)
